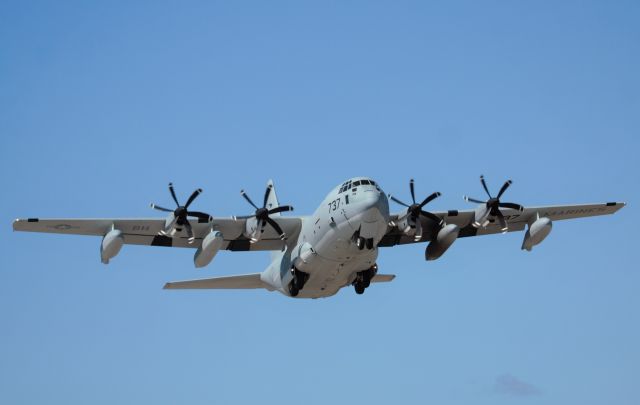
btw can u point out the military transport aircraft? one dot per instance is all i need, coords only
(315, 256)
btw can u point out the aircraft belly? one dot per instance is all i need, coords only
(328, 276)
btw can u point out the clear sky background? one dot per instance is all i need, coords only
(102, 104)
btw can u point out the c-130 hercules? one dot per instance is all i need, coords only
(315, 256)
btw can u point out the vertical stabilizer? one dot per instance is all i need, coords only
(272, 202)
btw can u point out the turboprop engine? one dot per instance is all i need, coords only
(409, 222)
(538, 230)
(491, 208)
(445, 238)
(256, 223)
(111, 244)
(210, 247)
(177, 219)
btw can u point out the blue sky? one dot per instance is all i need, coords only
(102, 104)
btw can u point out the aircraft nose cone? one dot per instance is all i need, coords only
(376, 202)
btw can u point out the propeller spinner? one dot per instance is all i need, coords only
(181, 213)
(262, 215)
(492, 205)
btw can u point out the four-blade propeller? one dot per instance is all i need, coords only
(262, 215)
(493, 204)
(181, 213)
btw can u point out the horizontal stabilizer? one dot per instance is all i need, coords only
(383, 278)
(241, 282)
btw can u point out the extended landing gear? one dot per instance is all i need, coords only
(363, 279)
(298, 282)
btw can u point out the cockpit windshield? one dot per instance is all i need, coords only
(351, 184)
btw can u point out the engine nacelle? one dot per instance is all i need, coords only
(210, 247)
(304, 256)
(481, 217)
(445, 238)
(111, 244)
(406, 225)
(538, 230)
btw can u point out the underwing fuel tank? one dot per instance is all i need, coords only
(536, 233)
(111, 244)
(445, 238)
(211, 244)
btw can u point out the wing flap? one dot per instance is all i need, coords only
(240, 282)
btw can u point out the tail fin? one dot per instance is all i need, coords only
(272, 202)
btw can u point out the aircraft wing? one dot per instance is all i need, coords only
(516, 220)
(146, 231)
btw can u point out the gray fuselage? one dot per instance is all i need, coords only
(327, 248)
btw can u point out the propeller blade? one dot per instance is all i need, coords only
(504, 188)
(431, 216)
(193, 197)
(282, 208)
(418, 235)
(403, 216)
(473, 200)
(398, 201)
(277, 228)
(172, 224)
(484, 184)
(243, 216)
(157, 207)
(266, 195)
(413, 193)
(511, 205)
(187, 226)
(173, 194)
(246, 197)
(503, 222)
(198, 214)
(429, 199)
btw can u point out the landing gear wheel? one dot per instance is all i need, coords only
(359, 288)
(299, 279)
(369, 243)
(360, 243)
(293, 290)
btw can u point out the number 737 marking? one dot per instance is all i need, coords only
(335, 204)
